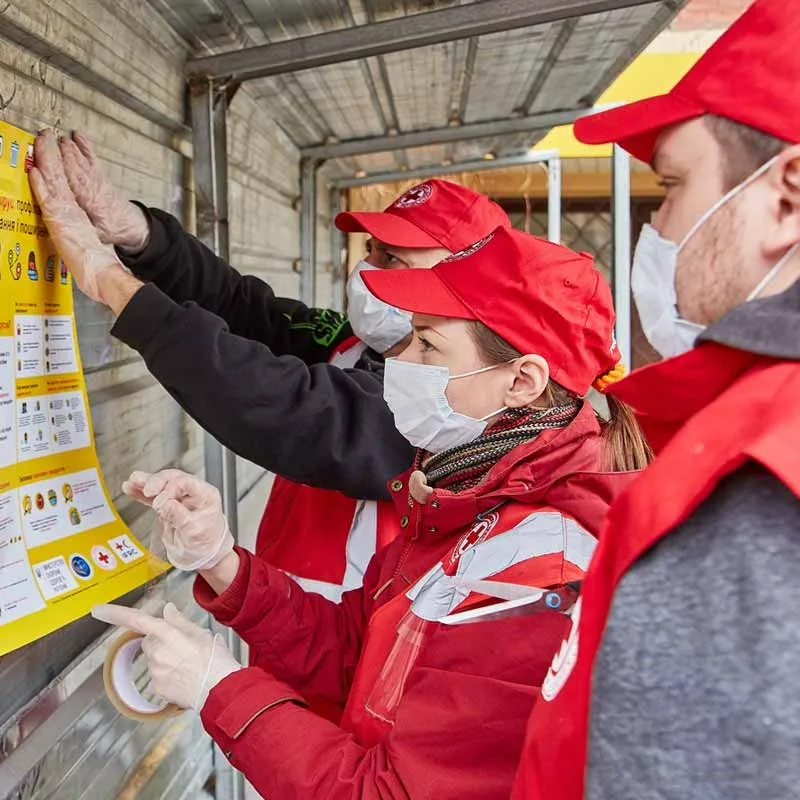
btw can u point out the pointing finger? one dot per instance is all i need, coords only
(124, 617)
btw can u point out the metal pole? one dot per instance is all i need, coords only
(209, 106)
(621, 248)
(338, 277)
(308, 229)
(432, 170)
(534, 127)
(554, 200)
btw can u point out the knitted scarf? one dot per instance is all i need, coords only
(465, 466)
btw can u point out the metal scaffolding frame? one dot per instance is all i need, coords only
(549, 159)
(621, 249)
(209, 110)
(309, 169)
(403, 33)
(433, 170)
(536, 123)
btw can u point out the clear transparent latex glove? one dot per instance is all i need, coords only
(71, 230)
(116, 219)
(194, 530)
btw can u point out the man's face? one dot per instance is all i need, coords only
(386, 256)
(735, 247)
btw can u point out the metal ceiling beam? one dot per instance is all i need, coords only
(432, 170)
(446, 135)
(466, 79)
(565, 32)
(403, 33)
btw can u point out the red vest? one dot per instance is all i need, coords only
(706, 413)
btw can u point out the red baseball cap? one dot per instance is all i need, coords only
(432, 214)
(749, 75)
(539, 296)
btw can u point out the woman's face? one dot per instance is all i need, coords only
(442, 342)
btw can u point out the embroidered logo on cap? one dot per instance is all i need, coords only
(415, 196)
(473, 248)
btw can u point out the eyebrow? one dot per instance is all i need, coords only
(428, 328)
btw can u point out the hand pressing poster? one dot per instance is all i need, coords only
(63, 547)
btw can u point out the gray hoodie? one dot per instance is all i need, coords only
(696, 689)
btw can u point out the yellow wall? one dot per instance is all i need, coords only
(649, 74)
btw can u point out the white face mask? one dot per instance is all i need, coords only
(415, 393)
(653, 281)
(377, 324)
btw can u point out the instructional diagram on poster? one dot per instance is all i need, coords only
(63, 547)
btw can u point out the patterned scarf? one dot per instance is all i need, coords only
(464, 467)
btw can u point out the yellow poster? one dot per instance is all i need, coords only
(63, 547)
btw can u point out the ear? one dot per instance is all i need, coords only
(786, 180)
(531, 374)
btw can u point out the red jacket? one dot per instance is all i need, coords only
(706, 413)
(433, 710)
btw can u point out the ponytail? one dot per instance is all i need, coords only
(625, 446)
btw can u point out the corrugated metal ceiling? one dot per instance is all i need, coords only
(554, 66)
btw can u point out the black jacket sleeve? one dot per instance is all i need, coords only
(186, 270)
(317, 424)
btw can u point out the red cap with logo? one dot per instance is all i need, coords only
(748, 75)
(539, 296)
(432, 214)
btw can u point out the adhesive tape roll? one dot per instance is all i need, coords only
(118, 677)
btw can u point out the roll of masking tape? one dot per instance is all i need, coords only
(118, 677)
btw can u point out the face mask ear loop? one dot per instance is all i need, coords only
(773, 273)
(487, 417)
(482, 369)
(724, 199)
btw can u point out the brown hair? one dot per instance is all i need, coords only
(744, 149)
(625, 446)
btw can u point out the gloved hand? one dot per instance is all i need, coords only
(185, 661)
(195, 531)
(72, 232)
(116, 220)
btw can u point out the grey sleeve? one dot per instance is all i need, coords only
(696, 692)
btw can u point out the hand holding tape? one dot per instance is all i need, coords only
(184, 660)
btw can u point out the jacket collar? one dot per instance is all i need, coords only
(666, 394)
(559, 468)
